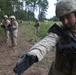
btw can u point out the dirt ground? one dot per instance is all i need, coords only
(9, 57)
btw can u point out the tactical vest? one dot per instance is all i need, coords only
(66, 56)
(65, 60)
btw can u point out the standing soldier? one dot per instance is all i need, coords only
(37, 24)
(13, 28)
(62, 37)
(29, 23)
(21, 22)
(4, 25)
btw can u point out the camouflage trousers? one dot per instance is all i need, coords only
(36, 30)
(13, 36)
(6, 35)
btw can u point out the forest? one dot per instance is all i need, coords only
(24, 9)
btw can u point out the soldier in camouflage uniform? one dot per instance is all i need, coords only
(63, 38)
(37, 25)
(13, 29)
(4, 25)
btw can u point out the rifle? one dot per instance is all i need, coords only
(60, 32)
(67, 50)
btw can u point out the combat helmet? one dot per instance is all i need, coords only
(5, 16)
(13, 17)
(64, 7)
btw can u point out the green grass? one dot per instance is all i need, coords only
(29, 30)
(1, 30)
(44, 26)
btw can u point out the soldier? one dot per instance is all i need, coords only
(37, 24)
(63, 38)
(4, 25)
(21, 22)
(13, 29)
(29, 23)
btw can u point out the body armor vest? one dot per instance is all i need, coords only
(65, 51)
(66, 56)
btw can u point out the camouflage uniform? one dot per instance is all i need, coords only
(37, 25)
(4, 25)
(61, 64)
(13, 28)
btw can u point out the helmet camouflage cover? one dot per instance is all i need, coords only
(5, 16)
(64, 7)
(13, 17)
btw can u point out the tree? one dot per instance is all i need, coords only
(5, 7)
(54, 18)
(8, 7)
(43, 6)
(15, 7)
(30, 6)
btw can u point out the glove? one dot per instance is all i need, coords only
(9, 25)
(2, 26)
(26, 61)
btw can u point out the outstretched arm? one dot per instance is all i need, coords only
(26, 61)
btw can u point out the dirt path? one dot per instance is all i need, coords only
(9, 57)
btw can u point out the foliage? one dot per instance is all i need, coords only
(43, 6)
(54, 18)
(1, 31)
(5, 7)
(16, 7)
(23, 15)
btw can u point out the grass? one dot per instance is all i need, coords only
(29, 30)
(44, 26)
(1, 31)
